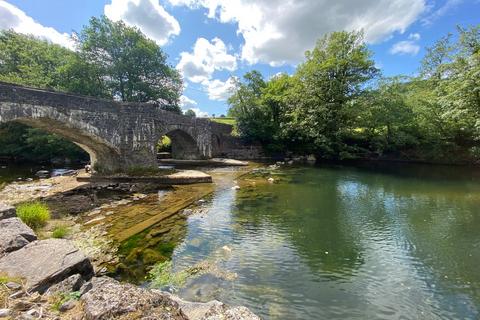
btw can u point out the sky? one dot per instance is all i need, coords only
(211, 42)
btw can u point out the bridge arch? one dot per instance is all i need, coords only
(183, 145)
(99, 151)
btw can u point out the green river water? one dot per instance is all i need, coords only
(332, 242)
(399, 242)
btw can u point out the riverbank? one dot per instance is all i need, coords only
(57, 281)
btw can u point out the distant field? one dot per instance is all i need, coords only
(230, 121)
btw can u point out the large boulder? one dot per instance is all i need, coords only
(14, 235)
(109, 299)
(7, 211)
(44, 263)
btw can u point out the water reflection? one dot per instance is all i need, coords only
(342, 243)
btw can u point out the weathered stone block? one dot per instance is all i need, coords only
(44, 263)
(14, 235)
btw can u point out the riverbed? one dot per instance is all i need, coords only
(330, 242)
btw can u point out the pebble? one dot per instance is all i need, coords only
(13, 286)
(69, 305)
(4, 313)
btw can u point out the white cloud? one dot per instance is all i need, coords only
(414, 36)
(199, 113)
(449, 5)
(409, 46)
(186, 102)
(148, 15)
(206, 58)
(13, 18)
(189, 104)
(280, 31)
(405, 47)
(219, 90)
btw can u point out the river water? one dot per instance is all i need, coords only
(330, 242)
(399, 242)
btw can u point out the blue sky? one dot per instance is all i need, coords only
(211, 41)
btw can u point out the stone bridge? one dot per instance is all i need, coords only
(117, 136)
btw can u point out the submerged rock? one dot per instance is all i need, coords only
(14, 235)
(44, 263)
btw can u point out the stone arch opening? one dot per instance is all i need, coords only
(102, 156)
(182, 145)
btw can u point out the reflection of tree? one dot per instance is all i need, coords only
(434, 222)
(309, 212)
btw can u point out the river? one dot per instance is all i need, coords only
(332, 242)
(398, 242)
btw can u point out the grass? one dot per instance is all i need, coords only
(230, 121)
(60, 232)
(34, 214)
(59, 299)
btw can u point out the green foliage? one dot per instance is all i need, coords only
(190, 113)
(336, 106)
(34, 214)
(31, 144)
(60, 232)
(131, 67)
(164, 144)
(29, 61)
(57, 300)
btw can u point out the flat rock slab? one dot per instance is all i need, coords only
(14, 235)
(7, 211)
(180, 178)
(44, 263)
(215, 162)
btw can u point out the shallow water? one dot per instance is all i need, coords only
(342, 243)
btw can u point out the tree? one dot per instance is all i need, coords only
(26, 60)
(329, 81)
(190, 113)
(131, 66)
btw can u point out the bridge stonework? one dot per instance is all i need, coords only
(117, 136)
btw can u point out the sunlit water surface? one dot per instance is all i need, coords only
(342, 243)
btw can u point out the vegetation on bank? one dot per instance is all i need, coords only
(34, 214)
(337, 105)
(60, 232)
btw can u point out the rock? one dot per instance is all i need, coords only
(44, 263)
(72, 283)
(13, 286)
(22, 305)
(235, 188)
(85, 288)
(213, 310)
(311, 158)
(69, 305)
(271, 180)
(109, 299)
(15, 235)
(4, 313)
(42, 173)
(7, 211)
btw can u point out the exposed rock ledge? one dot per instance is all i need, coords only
(55, 282)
